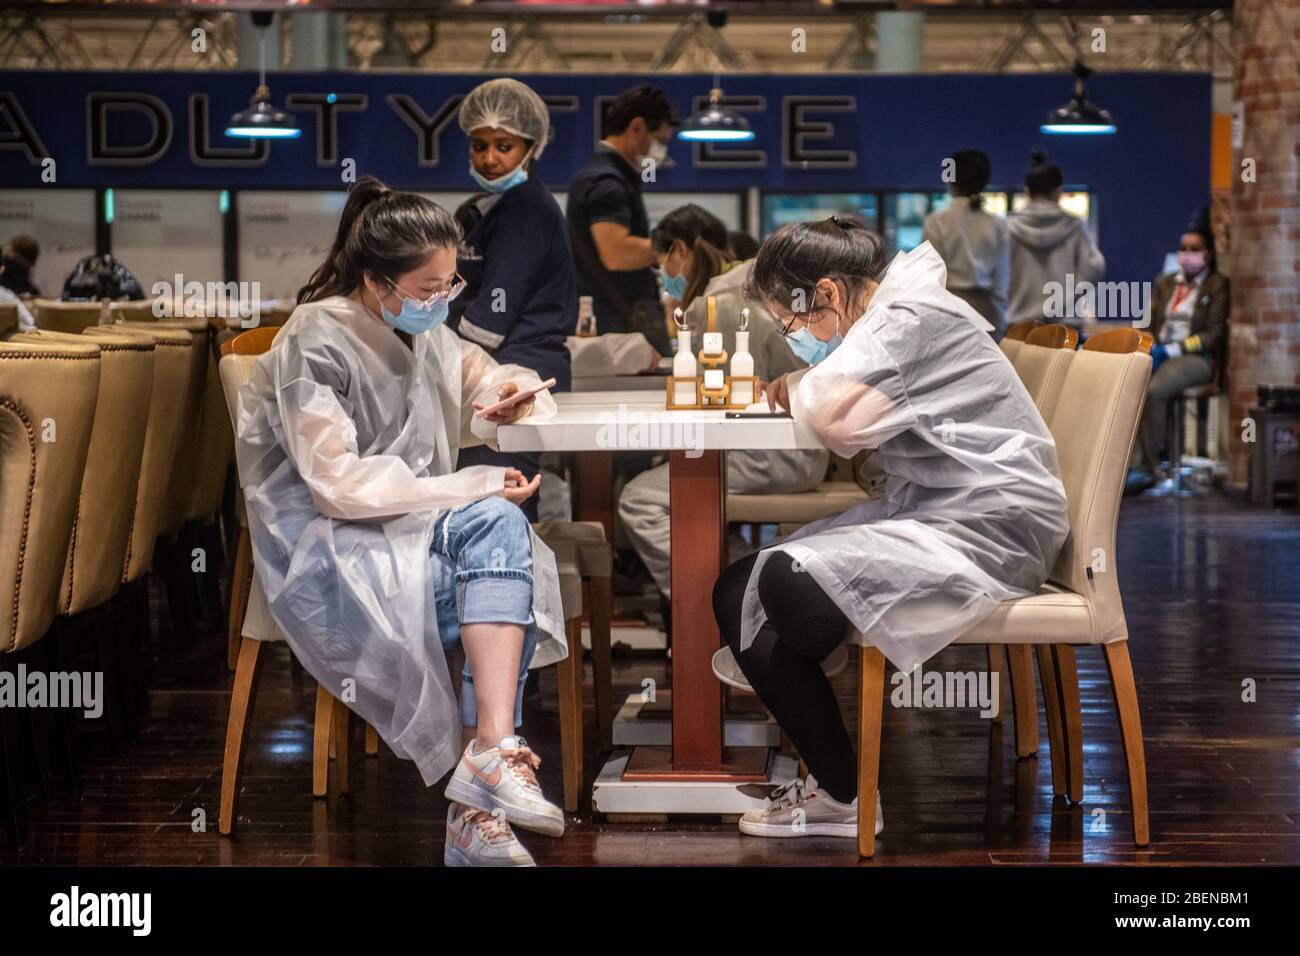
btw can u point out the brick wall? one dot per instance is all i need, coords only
(1265, 324)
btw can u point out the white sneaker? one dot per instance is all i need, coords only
(503, 777)
(799, 809)
(477, 838)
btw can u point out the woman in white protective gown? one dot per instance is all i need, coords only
(973, 511)
(374, 553)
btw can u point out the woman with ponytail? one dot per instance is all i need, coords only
(692, 247)
(373, 551)
(1047, 245)
(971, 241)
(973, 511)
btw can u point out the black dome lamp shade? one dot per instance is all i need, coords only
(716, 124)
(262, 120)
(1079, 117)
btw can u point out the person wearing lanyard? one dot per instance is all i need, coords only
(609, 228)
(520, 302)
(1189, 320)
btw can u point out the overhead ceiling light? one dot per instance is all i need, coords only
(1079, 117)
(262, 120)
(716, 124)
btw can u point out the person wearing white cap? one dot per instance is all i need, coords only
(521, 298)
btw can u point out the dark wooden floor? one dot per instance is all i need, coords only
(1212, 591)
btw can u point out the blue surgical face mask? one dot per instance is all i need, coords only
(415, 318)
(675, 286)
(509, 181)
(810, 348)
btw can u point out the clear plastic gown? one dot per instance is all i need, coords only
(973, 511)
(347, 444)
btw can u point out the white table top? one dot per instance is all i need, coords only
(638, 421)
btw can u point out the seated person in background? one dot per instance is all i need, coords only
(25, 321)
(972, 242)
(691, 246)
(1189, 320)
(20, 255)
(743, 245)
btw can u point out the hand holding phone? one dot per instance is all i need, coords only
(495, 411)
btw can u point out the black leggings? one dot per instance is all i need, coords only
(783, 664)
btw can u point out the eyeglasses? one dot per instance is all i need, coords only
(454, 288)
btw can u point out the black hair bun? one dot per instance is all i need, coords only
(1037, 157)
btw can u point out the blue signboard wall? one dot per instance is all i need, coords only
(827, 133)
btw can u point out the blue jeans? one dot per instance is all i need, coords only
(484, 575)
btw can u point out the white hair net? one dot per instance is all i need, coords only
(510, 105)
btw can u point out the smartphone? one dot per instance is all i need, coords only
(515, 399)
(758, 414)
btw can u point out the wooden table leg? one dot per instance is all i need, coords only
(697, 493)
(594, 476)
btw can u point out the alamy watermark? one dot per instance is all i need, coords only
(21, 688)
(1098, 300)
(956, 689)
(194, 299)
(632, 428)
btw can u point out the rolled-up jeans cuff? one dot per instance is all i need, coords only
(498, 596)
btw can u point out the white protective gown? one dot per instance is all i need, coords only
(973, 512)
(346, 444)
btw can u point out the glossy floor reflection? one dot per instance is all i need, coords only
(1212, 591)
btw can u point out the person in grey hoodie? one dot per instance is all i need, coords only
(1047, 244)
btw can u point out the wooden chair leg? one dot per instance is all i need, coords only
(1067, 680)
(241, 583)
(1022, 694)
(248, 669)
(871, 705)
(569, 678)
(1130, 724)
(341, 738)
(600, 604)
(320, 744)
(998, 665)
(372, 741)
(1052, 706)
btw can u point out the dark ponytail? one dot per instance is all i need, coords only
(382, 233)
(798, 254)
(971, 173)
(1042, 178)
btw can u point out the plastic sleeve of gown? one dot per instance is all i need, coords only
(854, 399)
(480, 377)
(321, 441)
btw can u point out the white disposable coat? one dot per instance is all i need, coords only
(347, 444)
(973, 512)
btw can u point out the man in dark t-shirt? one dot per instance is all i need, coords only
(609, 229)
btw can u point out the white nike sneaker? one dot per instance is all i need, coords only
(799, 809)
(477, 838)
(503, 777)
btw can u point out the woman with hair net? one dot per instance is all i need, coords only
(973, 511)
(521, 298)
(374, 552)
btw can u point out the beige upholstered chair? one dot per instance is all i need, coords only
(132, 310)
(60, 316)
(1095, 421)
(48, 393)
(173, 359)
(843, 487)
(1015, 337)
(102, 521)
(189, 450)
(1040, 362)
